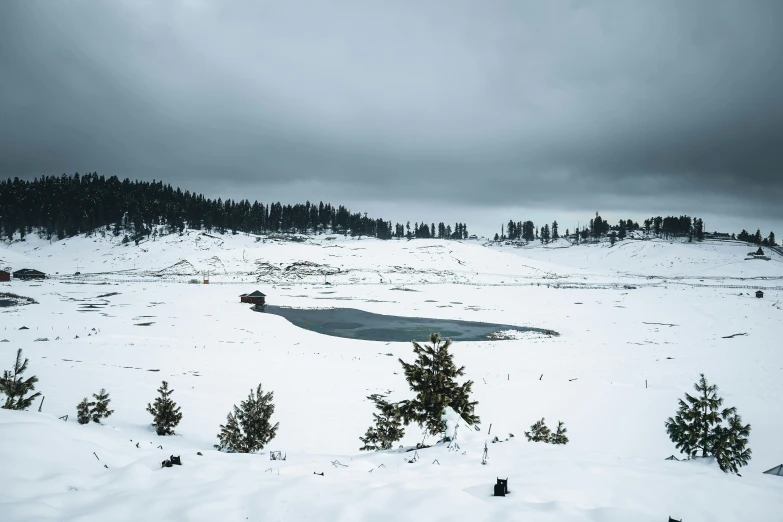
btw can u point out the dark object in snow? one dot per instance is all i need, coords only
(166, 464)
(504, 483)
(64, 418)
(137, 444)
(277, 455)
(177, 461)
(256, 298)
(777, 470)
(25, 274)
(671, 457)
(321, 473)
(106, 466)
(759, 294)
(24, 328)
(41, 339)
(199, 453)
(672, 520)
(733, 335)
(413, 459)
(500, 490)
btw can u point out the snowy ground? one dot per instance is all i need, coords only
(638, 322)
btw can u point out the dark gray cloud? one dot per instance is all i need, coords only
(562, 104)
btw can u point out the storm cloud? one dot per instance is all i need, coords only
(557, 104)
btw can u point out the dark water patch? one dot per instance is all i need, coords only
(358, 324)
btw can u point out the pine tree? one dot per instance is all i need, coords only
(559, 437)
(165, 411)
(101, 410)
(83, 411)
(697, 427)
(538, 432)
(730, 445)
(15, 388)
(388, 427)
(248, 427)
(432, 376)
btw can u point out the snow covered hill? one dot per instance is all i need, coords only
(638, 322)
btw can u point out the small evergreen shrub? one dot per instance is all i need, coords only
(248, 427)
(559, 437)
(540, 433)
(165, 412)
(698, 427)
(101, 409)
(83, 411)
(14, 387)
(433, 378)
(388, 427)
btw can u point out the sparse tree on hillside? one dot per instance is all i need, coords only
(388, 427)
(433, 378)
(166, 414)
(559, 437)
(101, 410)
(14, 387)
(538, 432)
(83, 411)
(697, 428)
(248, 427)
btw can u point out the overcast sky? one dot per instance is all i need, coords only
(479, 111)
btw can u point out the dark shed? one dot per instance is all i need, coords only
(28, 273)
(759, 294)
(253, 298)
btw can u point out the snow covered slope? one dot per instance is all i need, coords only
(623, 358)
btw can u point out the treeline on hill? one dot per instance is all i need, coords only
(666, 227)
(69, 205)
(59, 207)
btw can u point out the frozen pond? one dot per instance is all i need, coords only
(358, 324)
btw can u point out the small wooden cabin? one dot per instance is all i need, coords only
(5, 276)
(253, 298)
(28, 273)
(759, 294)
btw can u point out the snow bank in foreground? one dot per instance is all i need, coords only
(54, 470)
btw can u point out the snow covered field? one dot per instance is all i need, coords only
(638, 322)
